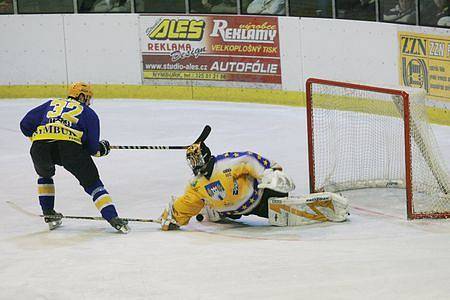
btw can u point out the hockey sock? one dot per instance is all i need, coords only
(102, 200)
(46, 193)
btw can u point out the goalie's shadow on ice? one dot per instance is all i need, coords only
(257, 228)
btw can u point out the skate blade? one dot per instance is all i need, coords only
(124, 229)
(54, 224)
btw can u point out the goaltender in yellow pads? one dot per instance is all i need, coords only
(236, 184)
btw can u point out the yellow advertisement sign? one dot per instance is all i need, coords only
(425, 63)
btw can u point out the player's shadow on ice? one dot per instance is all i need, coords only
(66, 236)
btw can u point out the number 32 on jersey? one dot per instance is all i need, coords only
(73, 109)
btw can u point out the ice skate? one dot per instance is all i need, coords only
(53, 219)
(120, 225)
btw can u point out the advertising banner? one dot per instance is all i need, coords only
(217, 48)
(425, 63)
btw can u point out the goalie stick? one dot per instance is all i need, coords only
(31, 214)
(205, 133)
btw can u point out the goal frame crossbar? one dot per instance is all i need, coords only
(406, 132)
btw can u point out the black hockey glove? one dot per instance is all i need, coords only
(103, 148)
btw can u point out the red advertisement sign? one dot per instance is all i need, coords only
(219, 48)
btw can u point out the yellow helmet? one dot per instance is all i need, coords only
(80, 88)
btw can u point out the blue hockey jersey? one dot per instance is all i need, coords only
(63, 120)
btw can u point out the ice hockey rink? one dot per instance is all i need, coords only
(377, 254)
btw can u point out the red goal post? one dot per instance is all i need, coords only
(362, 136)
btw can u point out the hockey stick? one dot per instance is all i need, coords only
(206, 131)
(28, 213)
(149, 147)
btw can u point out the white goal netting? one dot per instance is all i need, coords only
(357, 140)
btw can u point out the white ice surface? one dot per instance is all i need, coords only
(377, 254)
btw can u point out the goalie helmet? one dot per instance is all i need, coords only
(198, 156)
(81, 88)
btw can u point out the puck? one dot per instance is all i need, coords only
(199, 217)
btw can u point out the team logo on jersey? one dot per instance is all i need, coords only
(216, 191)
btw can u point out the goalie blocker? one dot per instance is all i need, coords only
(313, 208)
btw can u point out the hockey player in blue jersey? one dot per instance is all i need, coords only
(66, 132)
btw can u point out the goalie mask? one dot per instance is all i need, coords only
(198, 156)
(81, 88)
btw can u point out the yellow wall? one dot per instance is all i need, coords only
(278, 97)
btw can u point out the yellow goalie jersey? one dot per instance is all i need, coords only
(232, 188)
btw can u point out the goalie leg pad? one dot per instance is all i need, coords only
(313, 208)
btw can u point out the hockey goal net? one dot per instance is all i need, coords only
(363, 136)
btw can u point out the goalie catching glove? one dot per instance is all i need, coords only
(167, 219)
(276, 180)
